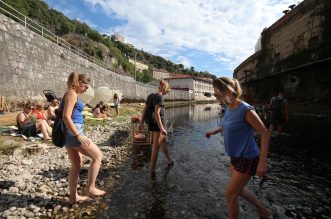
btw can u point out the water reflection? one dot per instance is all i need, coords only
(200, 112)
(195, 186)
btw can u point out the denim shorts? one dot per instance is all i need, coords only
(71, 140)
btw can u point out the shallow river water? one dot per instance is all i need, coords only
(297, 184)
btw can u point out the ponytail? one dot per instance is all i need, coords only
(164, 84)
(72, 80)
(237, 88)
(75, 77)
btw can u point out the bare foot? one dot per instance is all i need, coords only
(265, 213)
(95, 192)
(79, 199)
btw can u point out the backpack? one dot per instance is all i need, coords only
(59, 128)
(277, 105)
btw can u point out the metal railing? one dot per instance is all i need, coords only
(37, 28)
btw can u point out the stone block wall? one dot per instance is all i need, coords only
(30, 64)
(295, 30)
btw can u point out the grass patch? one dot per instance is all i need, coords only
(126, 111)
(90, 123)
(8, 119)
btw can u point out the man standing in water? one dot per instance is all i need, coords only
(278, 107)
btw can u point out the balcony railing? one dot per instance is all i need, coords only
(11, 12)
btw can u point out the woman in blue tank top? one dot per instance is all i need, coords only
(77, 144)
(238, 125)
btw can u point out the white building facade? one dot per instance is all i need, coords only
(160, 74)
(199, 88)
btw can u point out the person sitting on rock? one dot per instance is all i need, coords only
(29, 126)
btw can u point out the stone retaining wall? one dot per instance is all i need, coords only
(30, 64)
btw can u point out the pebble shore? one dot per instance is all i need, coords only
(34, 179)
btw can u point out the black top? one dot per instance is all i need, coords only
(153, 100)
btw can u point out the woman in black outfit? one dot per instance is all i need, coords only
(153, 115)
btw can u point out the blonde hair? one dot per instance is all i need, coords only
(231, 84)
(164, 85)
(75, 77)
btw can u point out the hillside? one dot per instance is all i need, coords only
(100, 46)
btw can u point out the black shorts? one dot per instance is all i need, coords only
(29, 131)
(276, 118)
(245, 165)
(153, 126)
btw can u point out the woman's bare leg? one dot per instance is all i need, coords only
(76, 163)
(155, 150)
(93, 152)
(164, 148)
(42, 126)
(237, 187)
(117, 111)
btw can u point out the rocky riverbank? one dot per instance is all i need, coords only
(33, 180)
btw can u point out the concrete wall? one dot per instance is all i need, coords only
(295, 30)
(30, 64)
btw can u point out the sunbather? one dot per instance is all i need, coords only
(99, 112)
(28, 126)
(39, 112)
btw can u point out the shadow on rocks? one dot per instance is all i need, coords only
(6, 184)
(117, 139)
(56, 174)
(10, 202)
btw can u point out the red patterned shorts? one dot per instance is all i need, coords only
(245, 165)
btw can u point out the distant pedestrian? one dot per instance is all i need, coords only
(116, 102)
(237, 125)
(77, 144)
(153, 115)
(279, 113)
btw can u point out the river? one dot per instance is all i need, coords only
(297, 184)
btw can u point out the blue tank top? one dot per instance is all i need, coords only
(238, 134)
(77, 112)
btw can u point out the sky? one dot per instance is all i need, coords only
(210, 35)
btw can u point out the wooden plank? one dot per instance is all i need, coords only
(3, 104)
